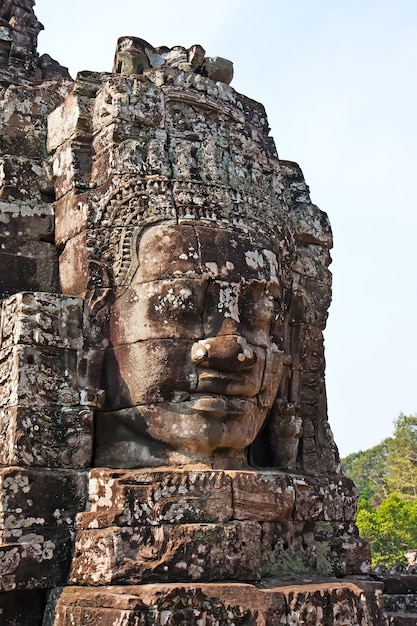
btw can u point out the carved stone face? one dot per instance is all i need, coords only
(193, 367)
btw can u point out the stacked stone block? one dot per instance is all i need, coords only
(19, 29)
(46, 408)
(46, 425)
(214, 525)
(28, 256)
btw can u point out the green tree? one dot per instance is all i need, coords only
(391, 529)
(402, 457)
(368, 470)
(386, 478)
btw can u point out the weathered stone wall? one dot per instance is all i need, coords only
(19, 29)
(164, 288)
(28, 256)
(19, 60)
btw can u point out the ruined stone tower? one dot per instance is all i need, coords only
(165, 451)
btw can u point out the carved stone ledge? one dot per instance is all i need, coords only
(271, 603)
(157, 525)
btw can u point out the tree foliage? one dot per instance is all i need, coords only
(368, 470)
(391, 529)
(402, 457)
(386, 478)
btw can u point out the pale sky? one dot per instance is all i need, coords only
(338, 81)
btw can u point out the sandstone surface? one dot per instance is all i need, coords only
(165, 451)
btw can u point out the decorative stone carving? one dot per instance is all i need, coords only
(135, 56)
(115, 250)
(165, 451)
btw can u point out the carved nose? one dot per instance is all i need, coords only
(226, 353)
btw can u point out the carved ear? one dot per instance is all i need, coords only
(102, 281)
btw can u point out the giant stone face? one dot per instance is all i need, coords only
(193, 365)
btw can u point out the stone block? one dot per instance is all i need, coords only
(262, 496)
(42, 319)
(401, 602)
(329, 602)
(38, 560)
(27, 266)
(142, 497)
(288, 548)
(72, 120)
(331, 498)
(339, 550)
(322, 602)
(73, 215)
(53, 376)
(400, 584)
(178, 245)
(309, 496)
(71, 166)
(144, 108)
(21, 137)
(101, 257)
(310, 460)
(24, 112)
(22, 178)
(197, 201)
(143, 156)
(401, 619)
(33, 499)
(19, 220)
(219, 69)
(224, 604)
(46, 373)
(96, 318)
(83, 263)
(257, 308)
(311, 262)
(310, 224)
(237, 255)
(318, 295)
(311, 386)
(345, 557)
(340, 499)
(184, 552)
(46, 436)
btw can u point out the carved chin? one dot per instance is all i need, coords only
(204, 423)
(204, 429)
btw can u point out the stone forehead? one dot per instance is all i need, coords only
(193, 250)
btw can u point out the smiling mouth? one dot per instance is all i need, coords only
(220, 406)
(227, 384)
